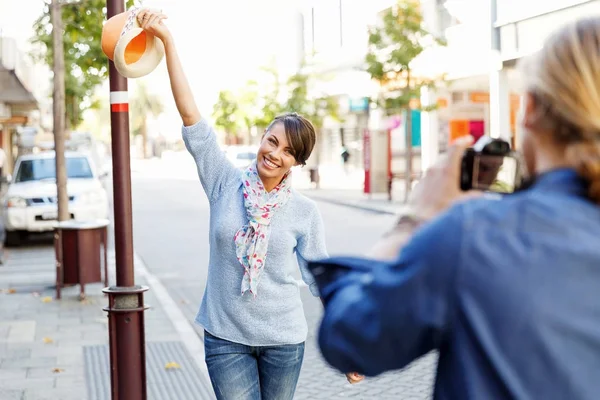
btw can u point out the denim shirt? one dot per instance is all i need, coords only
(507, 290)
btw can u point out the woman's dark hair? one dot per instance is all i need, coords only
(300, 134)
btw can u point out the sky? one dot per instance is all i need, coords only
(222, 43)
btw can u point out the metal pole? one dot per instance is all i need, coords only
(312, 29)
(409, 155)
(126, 300)
(495, 32)
(341, 26)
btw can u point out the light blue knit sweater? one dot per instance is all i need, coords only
(275, 316)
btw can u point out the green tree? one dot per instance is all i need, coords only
(269, 100)
(142, 104)
(86, 66)
(394, 43)
(225, 113)
(249, 110)
(315, 108)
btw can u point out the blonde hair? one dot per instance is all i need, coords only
(564, 80)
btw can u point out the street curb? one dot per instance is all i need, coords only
(183, 326)
(367, 208)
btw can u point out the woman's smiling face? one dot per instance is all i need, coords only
(275, 156)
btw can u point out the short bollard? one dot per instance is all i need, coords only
(127, 341)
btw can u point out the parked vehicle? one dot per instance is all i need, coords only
(241, 156)
(30, 203)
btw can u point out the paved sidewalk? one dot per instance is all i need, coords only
(356, 199)
(346, 189)
(58, 350)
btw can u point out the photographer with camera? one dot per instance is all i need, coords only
(506, 289)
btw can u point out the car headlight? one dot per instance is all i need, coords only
(16, 202)
(90, 197)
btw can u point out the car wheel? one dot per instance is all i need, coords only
(14, 238)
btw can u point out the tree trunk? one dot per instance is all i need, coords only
(58, 100)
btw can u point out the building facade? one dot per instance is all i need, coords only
(485, 39)
(519, 29)
(17, 101)
(335, 45)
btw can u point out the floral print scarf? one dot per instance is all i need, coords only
(252, 240)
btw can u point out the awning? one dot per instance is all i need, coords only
(13, 92)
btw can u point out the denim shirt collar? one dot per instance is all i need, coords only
(565, 180)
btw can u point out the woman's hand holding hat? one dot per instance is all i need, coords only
(152, 22)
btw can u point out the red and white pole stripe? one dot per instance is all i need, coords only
(119, 102)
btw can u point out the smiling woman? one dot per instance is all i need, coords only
(261, 232)
(287, 142)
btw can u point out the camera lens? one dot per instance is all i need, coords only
(497, 146)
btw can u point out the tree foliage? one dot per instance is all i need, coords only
(225, 112)
(257, 105)
(315, 108)
(86, 66)
(393, 45)
(269, 99)
(142, 104)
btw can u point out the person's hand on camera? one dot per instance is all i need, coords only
(354, 377)
(152, 22)
(440, 187)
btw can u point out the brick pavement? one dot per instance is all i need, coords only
(318, 381)
(31, 369)
(42, 340)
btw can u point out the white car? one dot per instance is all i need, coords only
(241, 156)
(30, 200)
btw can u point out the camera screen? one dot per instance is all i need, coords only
(495, 173)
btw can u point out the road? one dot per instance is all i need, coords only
(171, 235)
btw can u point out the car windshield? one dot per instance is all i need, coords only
(246, 156)
(45, 168)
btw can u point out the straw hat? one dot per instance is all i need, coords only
(134, 51)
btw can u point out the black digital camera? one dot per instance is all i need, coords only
(491, 166)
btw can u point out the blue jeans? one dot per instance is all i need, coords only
(240, 372)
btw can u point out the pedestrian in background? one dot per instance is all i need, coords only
(313, 170)
(506, 290)
(345, 155)
(260, 230)
(2, 170)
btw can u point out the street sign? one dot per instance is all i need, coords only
(359, 105)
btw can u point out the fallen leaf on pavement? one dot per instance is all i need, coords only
(12, 291)
(172, 365)
(47, 340)
(46, 299)
(184, 302)
(57, 370)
